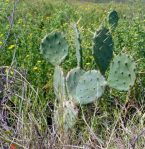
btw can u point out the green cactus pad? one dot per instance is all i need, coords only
(54, 48)
(122, 73)
(58, 117)
(59, 83)
(79, 53)
(103, 48)
(70, 115)
(65, 117)
(90, 87)
(72, 81)
(113, 18)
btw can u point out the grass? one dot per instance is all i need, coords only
(116, 121)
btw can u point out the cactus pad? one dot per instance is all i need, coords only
(90, 87)
(79, 53)
(113, 18)
(72, 81)
(122, 73)
(103, 48)
(70, 115)
(54, 48)
(59, 83)
(65, 117)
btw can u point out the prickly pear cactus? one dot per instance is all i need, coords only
(70, 115)
(90, 87)
(59, 83)
(103, 48)
(66, 117)
(54, 48)
(113, 19)
(122, 73)
(79, 53)
(72, 80)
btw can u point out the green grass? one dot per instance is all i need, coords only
(113, 122)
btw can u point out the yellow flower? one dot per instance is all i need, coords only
(11, 47)
(88, 63)
(35, 68)
(38, 61)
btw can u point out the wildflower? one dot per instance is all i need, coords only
(38, 61)
(11, 47)
(88, 63)
(35, 68)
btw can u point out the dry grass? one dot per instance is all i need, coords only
(24, 122)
